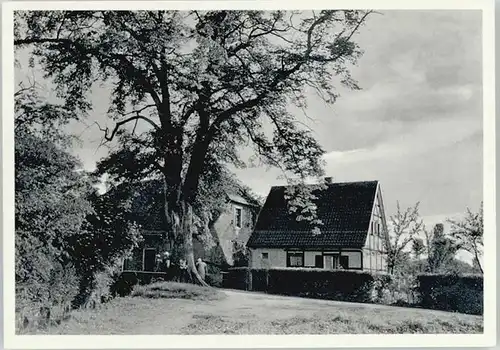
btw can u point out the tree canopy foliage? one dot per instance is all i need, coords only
(405, 226)
(203, 84)
(441, 249)
(65, 232)
(468, 233)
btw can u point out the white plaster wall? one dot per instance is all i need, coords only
(366, 259)
(276, 258)
(309, 257)
(354, 259)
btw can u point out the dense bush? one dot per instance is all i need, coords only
(381, 288)
(66, 235)
(214, 279)
(50, 207)
(337, 285)
(102, 283)
(451, 292)
(45, 297)
(344, 285)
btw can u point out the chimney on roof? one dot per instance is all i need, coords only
(329, 179)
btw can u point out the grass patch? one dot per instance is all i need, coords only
(321, 323)
(174, 308)
(174, 290)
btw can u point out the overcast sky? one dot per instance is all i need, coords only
(416, 125)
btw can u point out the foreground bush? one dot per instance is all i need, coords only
(451, 292)
(344, 285)
(66, 233)
(45, 299)
(174, 290)
(50, 208)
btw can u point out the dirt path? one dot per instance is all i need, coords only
(257, 313)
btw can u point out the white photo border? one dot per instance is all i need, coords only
(488, 338)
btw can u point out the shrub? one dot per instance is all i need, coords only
(41, 302)
(319, 283)
(381, 288)
(451, 292)
(124, 284)
(345, 285)
(174, 290)
(402, 290)
(214, 279)
(102, 285)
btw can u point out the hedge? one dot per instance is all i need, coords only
(451, 292)
(343, 285)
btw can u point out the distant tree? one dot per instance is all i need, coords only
(203, 84)
(441, 249)
(405, 226)
(418, 247)
(469, 234)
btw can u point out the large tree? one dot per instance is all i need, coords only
(203, 83)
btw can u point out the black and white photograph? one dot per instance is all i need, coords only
(197, 169)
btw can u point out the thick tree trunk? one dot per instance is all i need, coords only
(178, 199)
(181, 225)
(187, 234)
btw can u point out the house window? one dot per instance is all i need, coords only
(265, 256)
(237, 217)
(332, 261)
(344, 262)
(128, 264)
(295, 259)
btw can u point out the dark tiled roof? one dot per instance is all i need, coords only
(344, 209)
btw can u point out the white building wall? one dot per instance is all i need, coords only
(354, 259)
(276, 258)
(374, 255)
(309, 258)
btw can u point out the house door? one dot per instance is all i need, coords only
(149, 259)
(331, 262)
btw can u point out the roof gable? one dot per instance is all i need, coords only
(344, 208)
(236, 198)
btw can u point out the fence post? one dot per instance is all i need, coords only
(250, 287)
(267, 280)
